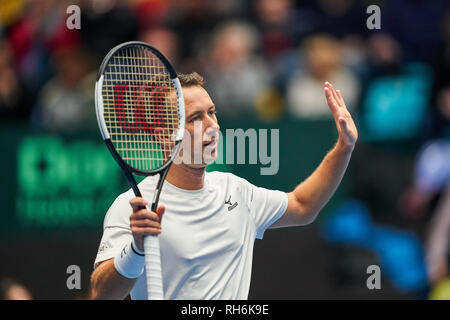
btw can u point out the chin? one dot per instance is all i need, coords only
(206, 160)
(196, 166)
(210, 159)
(205, 163)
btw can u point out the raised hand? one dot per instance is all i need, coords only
(348, 134)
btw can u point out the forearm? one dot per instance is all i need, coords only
(108, 284)
(319, 187)
(308, 198)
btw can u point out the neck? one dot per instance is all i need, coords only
(187, 178)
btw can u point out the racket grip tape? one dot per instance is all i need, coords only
(153, 268)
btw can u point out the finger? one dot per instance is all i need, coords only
(341, 100)
(137, 203)
(333, 92)
(332, 104)
(145, 223)
(145, 214)
(145, 231)
(160, 211)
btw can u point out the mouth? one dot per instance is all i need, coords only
(210, 144)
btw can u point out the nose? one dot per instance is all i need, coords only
(212, 123)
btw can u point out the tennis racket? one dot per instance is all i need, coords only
(140, 112)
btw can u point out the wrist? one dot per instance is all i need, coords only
(129, 263)
(342, 146)
(136, 250)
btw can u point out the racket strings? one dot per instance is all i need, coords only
(140, 110)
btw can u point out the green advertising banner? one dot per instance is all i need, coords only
(52, 181)
(62, 182)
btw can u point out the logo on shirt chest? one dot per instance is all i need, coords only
(231, 205)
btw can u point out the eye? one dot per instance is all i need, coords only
(212, 112)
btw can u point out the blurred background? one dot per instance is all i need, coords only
(265, 62)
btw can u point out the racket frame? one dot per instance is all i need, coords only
(99, 108)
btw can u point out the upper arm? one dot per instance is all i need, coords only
(294, 214)
(116, 230)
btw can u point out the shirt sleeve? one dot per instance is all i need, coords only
(266, 206)
(116, 229)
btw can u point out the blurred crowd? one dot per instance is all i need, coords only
(262, 59)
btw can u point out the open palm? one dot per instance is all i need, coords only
(348, 134)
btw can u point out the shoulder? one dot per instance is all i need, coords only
(123, 198)
(120, 210)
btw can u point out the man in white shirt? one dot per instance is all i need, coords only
(210, 219)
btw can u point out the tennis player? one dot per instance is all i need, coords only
(211, 219)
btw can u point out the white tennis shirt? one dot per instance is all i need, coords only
(207, 235)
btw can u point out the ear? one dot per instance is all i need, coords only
(164, 136)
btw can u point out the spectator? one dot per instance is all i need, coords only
(275, 21)
(340, 18)
(12, 290)
(165, 41)
(442, 68)
(323, 63)
(416, 25)
(385, 55)
(65, 103)
(234, 74)
(14, 103)
(396, 94)
(430, 195)
(438, 240)
(10, 11)
(150, 14)
(28, 38)
(193, 19)
(438, 124)
(107, 23)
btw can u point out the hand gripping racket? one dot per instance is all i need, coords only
(140, 112)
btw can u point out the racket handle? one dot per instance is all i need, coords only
(153, 268)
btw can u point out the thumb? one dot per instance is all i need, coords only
(343, 124)
(160, 211)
